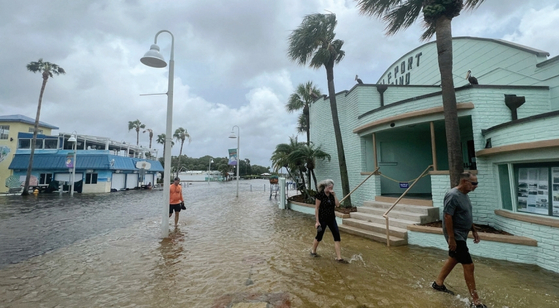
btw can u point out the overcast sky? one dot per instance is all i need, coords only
(231, 66)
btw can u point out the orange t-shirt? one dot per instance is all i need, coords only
(175, 195)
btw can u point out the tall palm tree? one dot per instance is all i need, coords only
(437, 17)
(181, 135)
(281, 158)
(301, 99)
(161, 140)
(314, 43)
(48, 70)
(150, 131)
(309, 154)
(136, 125)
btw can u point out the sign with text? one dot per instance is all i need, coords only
(404, 185)
(232, 157)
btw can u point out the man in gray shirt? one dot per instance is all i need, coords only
(458, 222)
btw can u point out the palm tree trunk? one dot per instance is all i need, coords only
(452, 127)
(180, 154)
(34, 140)
(337, 131)
(314, 179)
(137, 135)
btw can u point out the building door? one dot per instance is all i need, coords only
(118, 181)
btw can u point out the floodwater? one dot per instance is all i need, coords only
(106, 251)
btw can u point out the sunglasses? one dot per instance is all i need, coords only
(473, 183)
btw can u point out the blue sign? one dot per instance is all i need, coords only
(404, 185)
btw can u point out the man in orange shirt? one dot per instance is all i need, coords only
(176, 199)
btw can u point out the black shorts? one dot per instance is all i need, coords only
(175, 207)
(461, 254)
(333, 226)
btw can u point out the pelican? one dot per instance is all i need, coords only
(359, 81)
(470, 78)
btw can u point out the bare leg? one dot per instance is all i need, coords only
(447, 268)
(471, 282)
(314, 245)
(176, 218)
(338, 250)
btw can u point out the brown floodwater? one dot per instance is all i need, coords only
(105, 251)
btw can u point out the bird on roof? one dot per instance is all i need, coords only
(359, 81)
(471, 79)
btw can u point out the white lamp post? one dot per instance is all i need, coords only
(75, 146)
(209, 167)
(154, 59)
(238, 151)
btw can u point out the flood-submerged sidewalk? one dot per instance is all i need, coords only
(245, 252)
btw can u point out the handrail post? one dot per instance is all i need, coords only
(385, 215)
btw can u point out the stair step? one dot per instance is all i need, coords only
(422, 202)
(375, 236)
(400, 207)
(400, 223)
(376, 227)
(402, 214)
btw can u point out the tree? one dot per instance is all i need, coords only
(309, 154)
(181, 135)
(437, 16)
(314, 43)
(161, 140)
(301, 99)
(281, 158)
(150, 131)
(48, 70)
(136, 125)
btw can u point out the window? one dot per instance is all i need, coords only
(537, 188)
(39, 131)
(45, 178)
(91, 178)
(51, 143)
(4, 131)
(24, 144)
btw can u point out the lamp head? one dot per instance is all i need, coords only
(154, 58)
(233, 136)
(72, 138)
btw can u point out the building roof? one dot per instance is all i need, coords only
(57, 161)
(23, 119)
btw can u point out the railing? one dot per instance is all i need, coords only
(351, 192)
(385, 215)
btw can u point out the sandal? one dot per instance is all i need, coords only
(342, 261)
(444, 289)
(480, 305)
(314, 254)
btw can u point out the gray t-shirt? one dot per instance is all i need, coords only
(457, 205)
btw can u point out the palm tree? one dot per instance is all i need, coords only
(301, 99)
(437, 16)
(181, 135)
(281, 158)
(136, 125)
(150, 131)
(48, 70)
(309, 154)
(161, 140)
(314, 43)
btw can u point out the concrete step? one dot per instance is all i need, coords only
(399, 223)
(375, 236)
(401, 207)
(376, 227)
(396, 213)
(424, 202)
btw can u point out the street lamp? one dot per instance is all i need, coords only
(75, 146)
(154, 59)
(209, 168)
(233, 136)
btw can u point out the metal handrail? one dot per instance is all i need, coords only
(351, 192)
(385, 215)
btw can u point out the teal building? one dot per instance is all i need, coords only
(509, 124)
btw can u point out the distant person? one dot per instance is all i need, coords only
(324, 213)
(176, 200)
(458, 221)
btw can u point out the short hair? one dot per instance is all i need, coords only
(177, 179)
(323, 184)
(465, 175)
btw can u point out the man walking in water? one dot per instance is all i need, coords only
(458, 221)
(176, 200)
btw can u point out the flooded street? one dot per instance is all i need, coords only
(105, 251)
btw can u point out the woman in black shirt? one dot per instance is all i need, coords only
(324, 213)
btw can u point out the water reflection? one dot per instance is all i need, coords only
(105, 250)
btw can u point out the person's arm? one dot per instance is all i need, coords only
(450, 231)
(182, 199)
(316, 206)
(336, 201)
(474, 233)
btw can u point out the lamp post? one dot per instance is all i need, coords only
(154, 59)
(75, 146)
(209, 168)
(238, 136)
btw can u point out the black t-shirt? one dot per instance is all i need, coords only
(327, 206)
